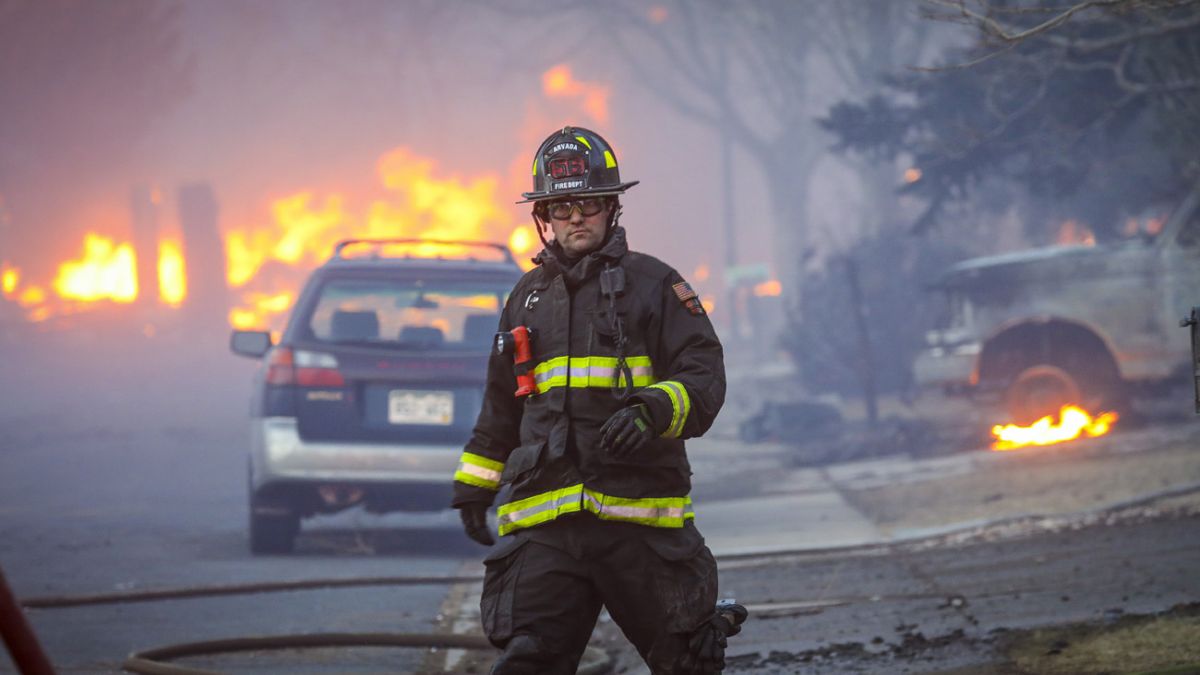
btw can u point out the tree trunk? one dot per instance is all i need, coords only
(866, 359)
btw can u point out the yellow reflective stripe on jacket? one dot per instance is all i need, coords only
(538, 508)
(681, 405)
(590, 371)
(652, 511)
(669, 512)
(479, 471)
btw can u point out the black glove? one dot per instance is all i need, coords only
(627, 430)
(707, 649)
(474, 519)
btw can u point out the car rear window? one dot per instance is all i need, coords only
(414, 315)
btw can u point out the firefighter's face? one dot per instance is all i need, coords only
(579, 234)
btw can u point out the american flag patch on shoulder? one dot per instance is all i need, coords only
(687, 296)
(684, 291)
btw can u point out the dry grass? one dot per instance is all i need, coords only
(1156, 645)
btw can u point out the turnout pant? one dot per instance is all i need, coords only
(544, 589)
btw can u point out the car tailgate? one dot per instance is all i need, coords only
(399, 397)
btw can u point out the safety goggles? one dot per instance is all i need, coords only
(561, 209)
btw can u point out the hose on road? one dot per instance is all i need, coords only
(57, 601)
(150, 661)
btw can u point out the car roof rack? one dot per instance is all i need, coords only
(449, 243)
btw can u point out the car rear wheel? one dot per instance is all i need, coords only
(273, 533)
(273, 526)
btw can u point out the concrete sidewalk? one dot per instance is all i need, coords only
(749, 500)
(819, 519)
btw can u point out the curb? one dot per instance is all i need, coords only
(927, 534)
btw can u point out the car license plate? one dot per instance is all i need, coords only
(420, 407)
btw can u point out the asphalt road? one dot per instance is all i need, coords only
(928, 609)
(121, 474)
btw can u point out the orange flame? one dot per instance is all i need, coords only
(33, 295)
(267, 262)
(1075, 232)
(172, 280)
(306, 229)
(770, 288)
(1073, 422)
(523, 241)
(9, 279)
(106, 271)
(559, 82)
(259, 306)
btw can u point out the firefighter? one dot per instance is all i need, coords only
(590, 468)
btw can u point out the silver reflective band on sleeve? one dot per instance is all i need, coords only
(479, 471)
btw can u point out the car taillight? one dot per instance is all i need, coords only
(303, 368)
(279, 367)
(314, 369)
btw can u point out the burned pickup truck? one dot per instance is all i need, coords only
(1092, 326)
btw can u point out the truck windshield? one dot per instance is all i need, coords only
(414, 315)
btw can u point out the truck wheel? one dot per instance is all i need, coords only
(274, 531)
(1039, 391)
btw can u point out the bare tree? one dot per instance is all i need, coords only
(1091, 111)
(759, 74)
(1149, 49)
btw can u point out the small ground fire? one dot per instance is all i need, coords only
(1073, 422)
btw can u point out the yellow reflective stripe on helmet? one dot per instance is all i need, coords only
(668, 512)
(479, 471)
(535, 166)
(610, 162)
(538, 509)
(681, 405)
(591, 371)
(583, 140)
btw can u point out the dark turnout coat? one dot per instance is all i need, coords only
(545, 446)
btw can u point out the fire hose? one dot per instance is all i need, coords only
(31, 660)
(149, 662)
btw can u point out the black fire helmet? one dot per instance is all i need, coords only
(575, 162)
